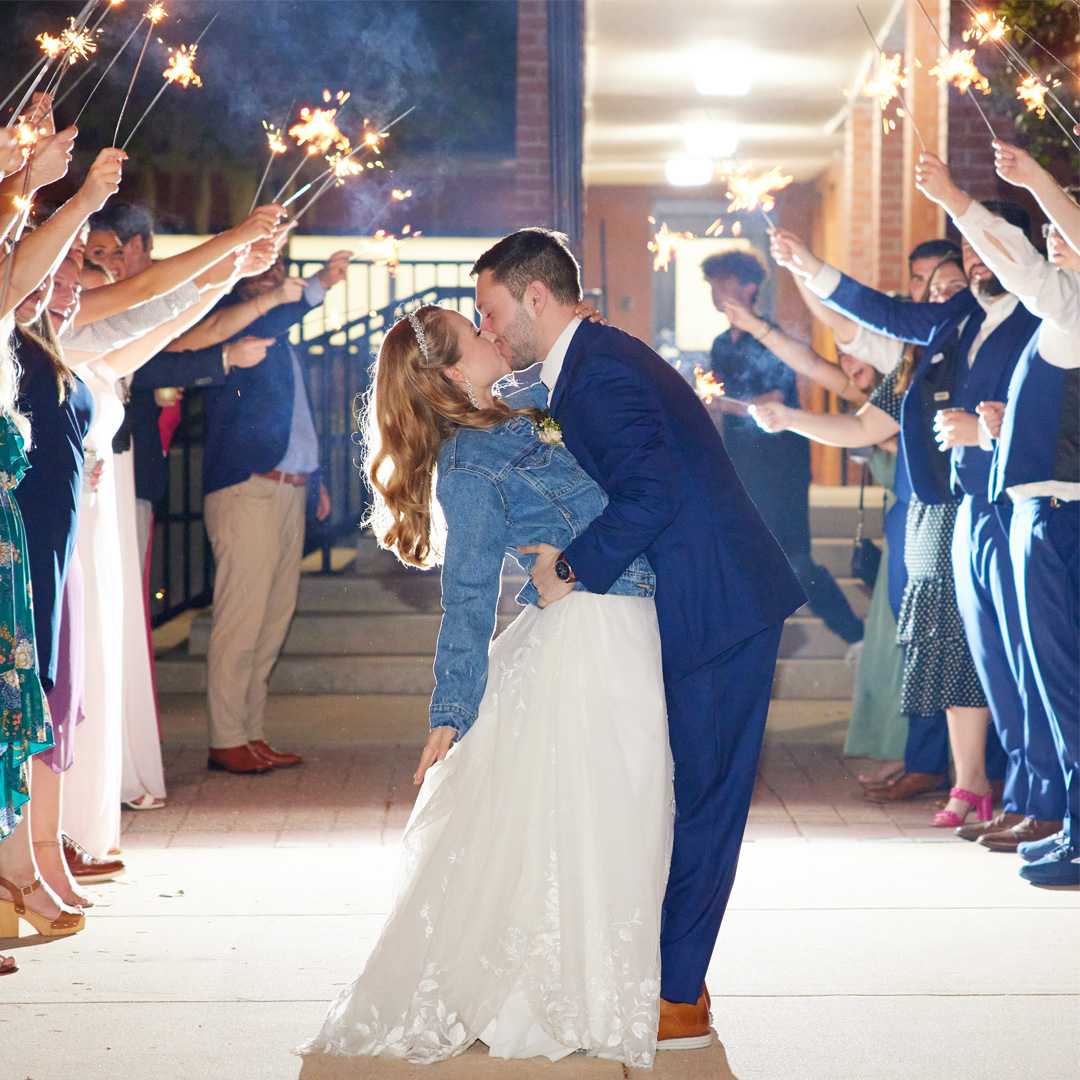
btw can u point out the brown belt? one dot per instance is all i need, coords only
(297, 479)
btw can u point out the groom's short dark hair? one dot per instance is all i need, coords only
(529, 255)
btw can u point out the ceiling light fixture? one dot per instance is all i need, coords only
(689, 172)
(710, 140)
(720, 73)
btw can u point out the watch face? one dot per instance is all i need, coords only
(562, 570)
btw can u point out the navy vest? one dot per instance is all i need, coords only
(1040, 431)
(985, 380)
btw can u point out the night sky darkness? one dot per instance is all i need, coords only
(453, 59)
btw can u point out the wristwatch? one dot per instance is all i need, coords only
(563, 571)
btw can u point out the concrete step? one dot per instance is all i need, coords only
(840, 521)
(179, 672)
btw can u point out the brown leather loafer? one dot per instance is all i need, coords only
(85, 868)
(998, 823)
(684, 1027)
(910, 786)
(275, 757)
(237, 759)
(1027, 830)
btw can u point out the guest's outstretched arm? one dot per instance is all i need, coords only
(868, 427)
(1018, 167)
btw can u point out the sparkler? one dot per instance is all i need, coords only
(127, 42)
(318, 128)
(716, 228)
(1032, 92)
(706, 386)
(985, 28)
(665, 245)
(959, 72)
(400, 196)
(29, 75)
(154, 14)
(895, 87)
(747, 192)
(277, 146)
(67, 93)
(179, 71)
(296, 194)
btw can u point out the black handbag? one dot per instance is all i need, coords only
(866, 555)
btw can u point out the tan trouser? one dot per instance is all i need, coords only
(257, 532)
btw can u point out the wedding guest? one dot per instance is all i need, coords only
(261, 457)
(1036, 476)
(972, 343)
(775, 472)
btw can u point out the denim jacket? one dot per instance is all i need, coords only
(499, 489)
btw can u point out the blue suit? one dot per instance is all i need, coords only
(1044, 542)
(248, 419)
(985, 590)
(723, 590)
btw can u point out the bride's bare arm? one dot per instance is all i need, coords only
(868, 427)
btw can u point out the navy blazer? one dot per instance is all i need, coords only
(638, 429)
(947, 332)
(249, 417)
(189, 368)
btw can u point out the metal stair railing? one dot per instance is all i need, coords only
(339, 364)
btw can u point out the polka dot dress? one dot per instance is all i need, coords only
(938, 669)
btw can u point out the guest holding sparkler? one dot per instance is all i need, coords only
(972, 343)
(775, 472)
(1036, 470)
(261, 458)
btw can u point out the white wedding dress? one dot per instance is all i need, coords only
(533, 867)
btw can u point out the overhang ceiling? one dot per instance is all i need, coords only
(641, 59)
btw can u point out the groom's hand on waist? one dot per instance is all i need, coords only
(548, 583)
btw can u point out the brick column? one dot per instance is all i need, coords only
(532, 204)
(862, 120)
(890, 258)
(924, 220)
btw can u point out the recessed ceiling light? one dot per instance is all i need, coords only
(710, 140)
(689, 172)
(720, 73)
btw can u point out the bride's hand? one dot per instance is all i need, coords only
(588, 312)
(437, 747)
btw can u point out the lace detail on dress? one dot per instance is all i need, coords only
(533, 866)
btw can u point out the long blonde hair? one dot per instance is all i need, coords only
(411, 410)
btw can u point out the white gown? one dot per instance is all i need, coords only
(90, 812)
(143, 772)
(533, 867)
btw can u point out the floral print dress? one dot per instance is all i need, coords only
(25, 728)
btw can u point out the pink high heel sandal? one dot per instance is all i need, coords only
(981, 804)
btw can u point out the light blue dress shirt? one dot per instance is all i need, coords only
(302, 453)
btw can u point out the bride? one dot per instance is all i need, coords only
(527, 910)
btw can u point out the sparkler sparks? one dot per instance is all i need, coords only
(1032, 92)
(747, 192)
(23, 203)
(342, 167)
(665, 245)
(318, 130)
(400, 196)
(155, 13)
(985, 28)
(50, 46)
(885, 86)
(180, 68)
(386, 250)
(273, 137)
(708, 389)
(959, 69)
(78, 42)
(716, 228)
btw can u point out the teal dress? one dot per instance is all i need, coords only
(878, 729)
(25, 727)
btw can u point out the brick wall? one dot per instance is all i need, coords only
(532, 205)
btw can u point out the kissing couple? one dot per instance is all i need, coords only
(587, 779)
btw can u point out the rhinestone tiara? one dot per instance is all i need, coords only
(418, 330)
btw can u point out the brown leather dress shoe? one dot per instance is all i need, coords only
(910, 786)
(998, 823)
(237, 759)
(1027, 830)
(275, 757)
(684, 1027)
(85, 868)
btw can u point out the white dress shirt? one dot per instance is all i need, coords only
(553, 362)
(880, 352)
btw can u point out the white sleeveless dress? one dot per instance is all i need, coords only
(533, 867)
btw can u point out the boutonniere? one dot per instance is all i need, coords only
(549, 429)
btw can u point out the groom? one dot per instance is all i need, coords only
(723, 591)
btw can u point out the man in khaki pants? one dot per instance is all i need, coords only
(260, 460)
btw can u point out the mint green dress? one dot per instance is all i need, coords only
(878, 729)
(25, 727)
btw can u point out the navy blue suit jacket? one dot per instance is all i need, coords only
(638, 429)
(248, 419)
(190, 368)
(947, 332)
